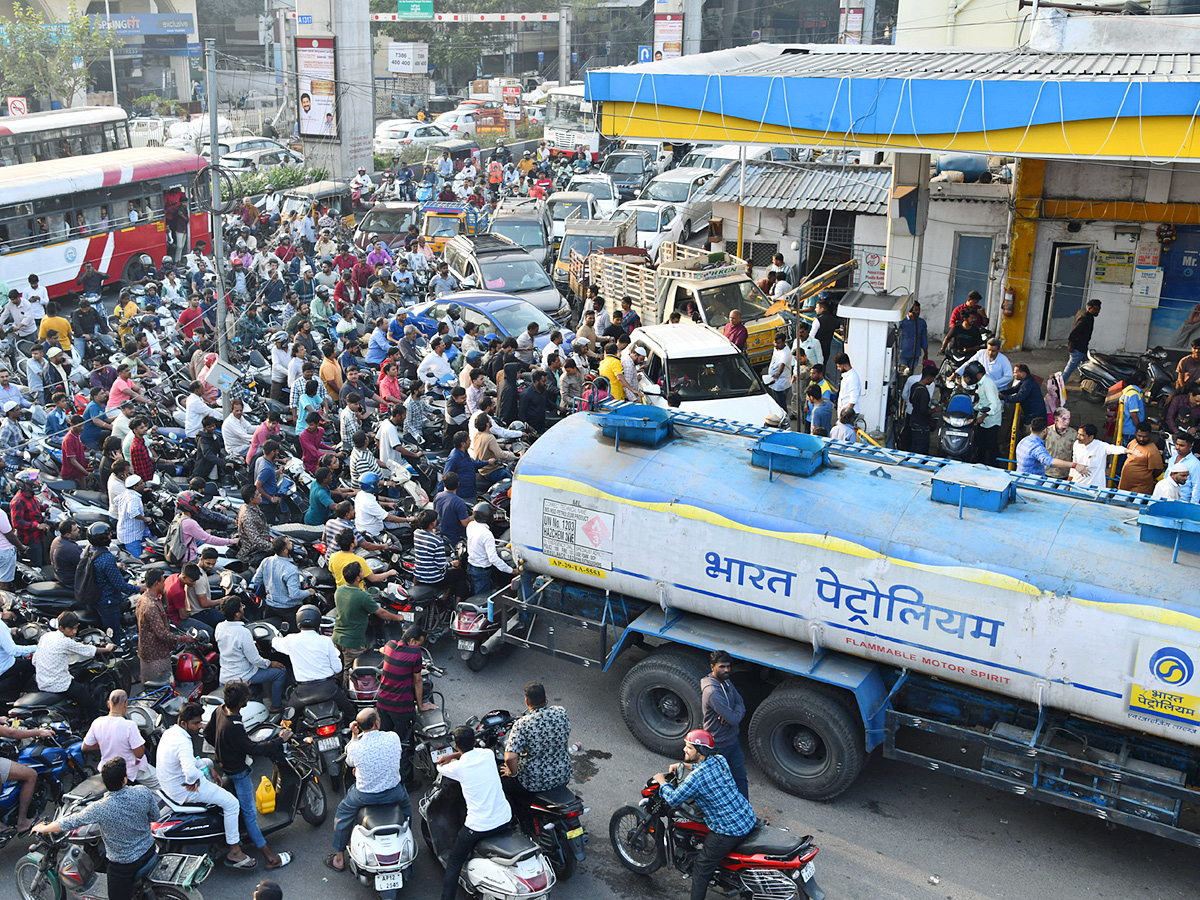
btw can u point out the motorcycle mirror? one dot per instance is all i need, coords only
(289, 712)
(54, 623)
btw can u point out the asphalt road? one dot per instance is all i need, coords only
(900, 832)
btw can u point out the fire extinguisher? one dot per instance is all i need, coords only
(1010, 302)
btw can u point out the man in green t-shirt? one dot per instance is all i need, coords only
(354, 606)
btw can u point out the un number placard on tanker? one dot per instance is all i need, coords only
(577, 534)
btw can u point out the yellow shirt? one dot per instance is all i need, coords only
(341, 559)
(125, 323)
(60, 325)
(331, 375)
(610, 368)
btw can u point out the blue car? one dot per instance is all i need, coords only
(501, 315)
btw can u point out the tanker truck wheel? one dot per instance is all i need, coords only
(807, 742)
(660, 699)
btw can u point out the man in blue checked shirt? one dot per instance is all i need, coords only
(710, 784)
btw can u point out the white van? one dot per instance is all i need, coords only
(716, 158)
(710, 375)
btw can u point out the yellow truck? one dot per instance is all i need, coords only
(703, 286)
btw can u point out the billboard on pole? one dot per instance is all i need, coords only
(668, 36)
(316, 86)
(408, 58)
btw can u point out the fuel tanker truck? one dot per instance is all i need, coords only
(884, 601)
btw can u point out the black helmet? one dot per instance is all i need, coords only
(99, 534)
(385, 273)
(377, 291)
(453, 310)
(482, 512)
(973, 371)
(308, 616)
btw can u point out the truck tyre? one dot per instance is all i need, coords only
(660, 699)
(807, 742)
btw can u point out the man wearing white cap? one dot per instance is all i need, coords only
(57, 376)
(11, 436)
(1169, 485)
(131, 516)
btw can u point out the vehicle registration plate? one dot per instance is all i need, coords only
(389, 881)
(574, 833)
(328, 743)
(438, 754)
(808, 871)
(408, 616)
(466, 645)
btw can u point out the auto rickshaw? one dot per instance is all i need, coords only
(443, 221)
(460, 151)
(312, 199)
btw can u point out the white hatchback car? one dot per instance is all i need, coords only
(408, 134)
(685, 189)
(460, 123)
(656, 222)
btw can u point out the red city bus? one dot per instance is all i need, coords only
(104, 208)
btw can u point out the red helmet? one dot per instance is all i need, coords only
(188, 500)
(187, 667)
(700, 738)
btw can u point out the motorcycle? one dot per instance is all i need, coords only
(41, 709)
(769, 864)
(319, 722)
(554, 815)
(959, 433)
(59, 765)
(297, 790)
(68, 866)
(476, 623)
(1100, 373)
(508, 866)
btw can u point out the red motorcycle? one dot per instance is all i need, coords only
(769, 864)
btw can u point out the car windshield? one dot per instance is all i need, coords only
(514, 276)
(670, 191)
(715, 162)
(695, 158)
(648, 219)
(583, 244)
(623, 165)
(527, 234)
(598, 189)
(397, 134)
(293, 204)
(743, 296)
(515, 319)
(388, 221)
(713, 378)
(560, 209)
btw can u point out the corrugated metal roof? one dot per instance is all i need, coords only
(873, 61)
(776, 185)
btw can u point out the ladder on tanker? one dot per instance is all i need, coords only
(885, 456)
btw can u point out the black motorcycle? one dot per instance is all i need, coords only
(316, 720)
(1151, 371)
(960, 433)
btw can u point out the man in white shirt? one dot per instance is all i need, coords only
(779, 370)
(1092, 452)
(1169, 487)
(182, 781)
(389, 435)
(237, 432)
(995, 363)
(19, 317)
(488, 812)
(369, 516)
(56, 650)
(435, 363)
(36, 298)
(850, 390)
(114, 735)
(499, 432)
(374, 755)
(316, 662)
(195, 409)
(239, 657)
(481, 550)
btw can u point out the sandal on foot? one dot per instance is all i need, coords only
(246, 862)
(284, 859)
(329, 862)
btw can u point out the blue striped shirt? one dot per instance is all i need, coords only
(430, 560)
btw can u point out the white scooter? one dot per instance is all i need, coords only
(382, 850)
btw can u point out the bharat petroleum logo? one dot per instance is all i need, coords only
(1172, 666)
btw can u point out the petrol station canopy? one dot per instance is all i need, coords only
(1011, 102)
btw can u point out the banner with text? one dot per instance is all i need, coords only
(317, 86)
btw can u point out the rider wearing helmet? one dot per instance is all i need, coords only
(481, 550)
(369, 515)
(110, 581)
(709, 783)
(362, 181)
(988, 408)
(316, 663)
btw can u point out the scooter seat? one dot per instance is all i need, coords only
(59, 485)
(372, 817)
(91, 497)
(307, 693)
(507, 848)
(298, 531)
(180, 807)
(50, 589)
(770, 841)
(39, 700)
(89, 789)
(560, 800)
(423, 593)
(145, 870)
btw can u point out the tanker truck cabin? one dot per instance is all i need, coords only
(905, 586)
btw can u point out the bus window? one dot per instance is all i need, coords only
(93, 139)
(153, 207)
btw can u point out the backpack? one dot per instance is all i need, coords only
(173, 546)
(87, 589)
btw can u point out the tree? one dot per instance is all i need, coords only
(50, 60)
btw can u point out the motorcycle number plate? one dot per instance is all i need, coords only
(574, 833)
(466, 645)
(808, 871)
(389, 881)
(408, 616)
(435, 755)
(329, 743)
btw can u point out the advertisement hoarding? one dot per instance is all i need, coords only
(668, 36)
(408, 59)
(316, 86)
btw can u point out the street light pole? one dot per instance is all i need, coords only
(214, 154)
(112, 58)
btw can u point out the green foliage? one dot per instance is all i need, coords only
(154, 105)
(39, 60)
(282, 177)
